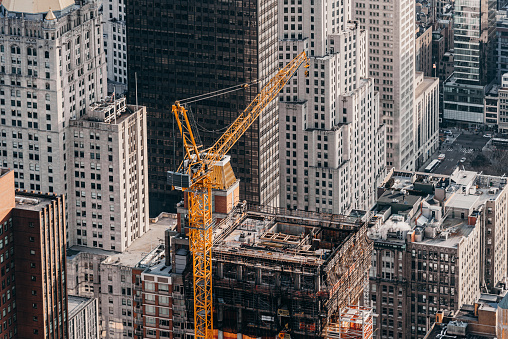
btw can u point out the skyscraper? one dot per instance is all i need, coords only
(32, 250)
(474, 61)
(177, 51)
(115, 45)
(332, 143)
(391, 26)
(109, 199)
(53, 67)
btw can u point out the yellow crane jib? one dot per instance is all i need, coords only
(195, 177)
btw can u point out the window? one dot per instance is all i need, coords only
(163, 288)
(149, 286)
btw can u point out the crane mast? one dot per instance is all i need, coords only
(195, 177)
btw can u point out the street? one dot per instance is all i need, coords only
(461, 144)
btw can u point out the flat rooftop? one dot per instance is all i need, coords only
(463, 201)
(425, 85)
(138, 250)
(398, 197)
(439, 331)
(159, 269)
(463, 177)
(33, 201)
(76, 304)
(144, 245)
(455, 228)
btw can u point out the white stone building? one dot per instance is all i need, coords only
(115, 45)
(108, 195)
(108, 276)
(390, 27)
(52, 67)
(426, 119)
(331, 141)
(83, 317)
(503, 105)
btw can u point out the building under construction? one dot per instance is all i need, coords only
(276, 270)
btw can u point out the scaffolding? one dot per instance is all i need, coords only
(275, 269)
(355, 322)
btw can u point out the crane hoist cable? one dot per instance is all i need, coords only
(217, 93)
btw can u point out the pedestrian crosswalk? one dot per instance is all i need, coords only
(466, 150)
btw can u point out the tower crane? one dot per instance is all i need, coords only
(195, 177)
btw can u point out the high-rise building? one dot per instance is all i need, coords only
(53, 68)
(503, 105)
(423, 50)
(7, 204)
(227, 44)
(108, 196)
(426, 119)
(438, 241)
(391, 52)
(263, 292)
(474, 61)
(32, 249)
(332, 144)
(502, 46)
(83, 317)
(115, 45)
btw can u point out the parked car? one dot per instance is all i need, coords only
(488, 135)
(441, 157)
(463, 159)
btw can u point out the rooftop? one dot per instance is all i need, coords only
(159, 269)
(33, 201)
(294, 237)
(142, 246)
(439, 331)
(76, 304)
(110, 111)
(463, 177)
(138, 250)
(462, 201)
(425, 85)
(398, 197)
(454, 229)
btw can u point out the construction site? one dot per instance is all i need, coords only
(278, 272)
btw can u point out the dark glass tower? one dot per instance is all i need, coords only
(180, 49)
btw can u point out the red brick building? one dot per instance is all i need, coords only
(32, 263)
(153, 296)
